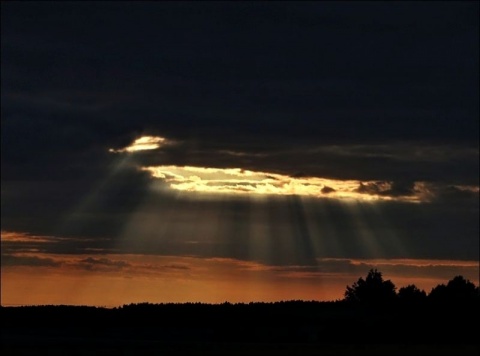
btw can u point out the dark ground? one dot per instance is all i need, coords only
(286, 328)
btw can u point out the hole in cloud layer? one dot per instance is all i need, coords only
(240, 181)
(142, 144)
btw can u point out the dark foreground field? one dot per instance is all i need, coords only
(237, 349)
(286, 328)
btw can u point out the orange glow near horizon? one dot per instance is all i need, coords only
(413, 262)
(117, 279)
(12, 236)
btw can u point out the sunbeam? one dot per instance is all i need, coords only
(228, 151)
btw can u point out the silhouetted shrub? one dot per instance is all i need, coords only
(457, 290)
(411, 295)
(372, 290)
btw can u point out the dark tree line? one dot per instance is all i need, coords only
(374, 290)
(404, 322)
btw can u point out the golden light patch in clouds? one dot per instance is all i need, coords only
(21, 237)
(468, 188)
(142, 144)
(10, 236)
(240, 181)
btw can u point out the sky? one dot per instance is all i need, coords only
(236, 151)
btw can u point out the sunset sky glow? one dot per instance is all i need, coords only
(236, 151)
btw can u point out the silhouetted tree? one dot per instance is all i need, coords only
(411, 294)
(457, 290)
(372, 290)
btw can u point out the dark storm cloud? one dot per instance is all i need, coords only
(318, 72)
(398, 161)
(23, 243)
(326, 190)
(12, 260)
(452, 195)
(245, 77)
(386, 92)
(103, 264)
(379, 188)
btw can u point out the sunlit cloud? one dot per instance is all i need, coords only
(22, 237)
(31, 260)
(16, 237)
(405, 262)
(204, 179)
(143, 143)
(241, 181)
